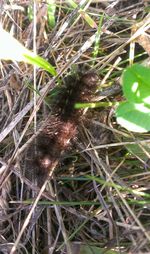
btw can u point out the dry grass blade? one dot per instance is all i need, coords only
(95, 198)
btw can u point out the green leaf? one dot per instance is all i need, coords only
(30, 12)
(137, 150)
(97, 38)
(86, 16)
(134, 117)
(72, 3)
(88, 19)
(11, 49)
(40, 62)
(51, 12)
(136, 84)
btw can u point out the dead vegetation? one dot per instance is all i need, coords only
(97, 199)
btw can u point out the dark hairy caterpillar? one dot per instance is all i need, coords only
(61, 126)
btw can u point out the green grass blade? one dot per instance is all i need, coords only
(12, 49)
(82, 12)
(95, 104)
(40, 62)
(97, 38)
(51, 13)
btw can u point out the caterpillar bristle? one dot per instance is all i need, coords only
(54, 139)
(79, 88)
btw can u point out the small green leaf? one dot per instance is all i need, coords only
(30, 12)
(88, 19)
(11, 49)
(40, 62)
(72, 3)
(97, 38)
(136, 84)
(134, 117)
(51, 13)
(86, 16)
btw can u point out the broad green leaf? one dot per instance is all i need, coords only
(11, 49)
(136, 84)
(134, 117)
